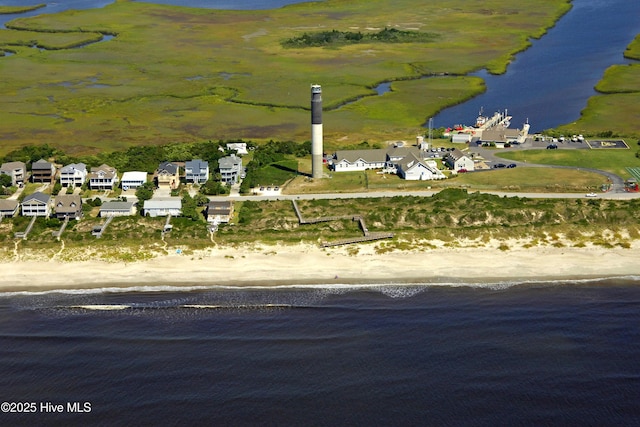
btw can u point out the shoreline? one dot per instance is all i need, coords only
(308, 265)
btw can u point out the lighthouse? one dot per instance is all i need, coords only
(316, 131)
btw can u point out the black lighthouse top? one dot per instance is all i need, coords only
(316, 105)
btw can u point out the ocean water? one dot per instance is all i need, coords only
(561, 353)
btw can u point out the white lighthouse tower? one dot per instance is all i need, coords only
(316, 131)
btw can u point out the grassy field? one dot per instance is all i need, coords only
(523, 179)
(612, 160)
(205, 74)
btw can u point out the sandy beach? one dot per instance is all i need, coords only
(309, 264)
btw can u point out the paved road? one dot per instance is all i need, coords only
(373, 194)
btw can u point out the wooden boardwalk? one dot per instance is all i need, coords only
(368, 236)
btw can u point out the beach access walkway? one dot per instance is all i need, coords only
(368, 236)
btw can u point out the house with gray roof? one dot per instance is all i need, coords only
(457, 160)
(117, 208)
(500, 135)
(359, 160)
(230, 169)
(8, 208)
(36, 204)
(73, 175)
(16, 170)
(196, 171)
(68, 206)
(42, 171)
(156, 207)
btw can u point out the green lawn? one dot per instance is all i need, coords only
(612, 160)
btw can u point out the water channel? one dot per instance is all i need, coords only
(550, 82)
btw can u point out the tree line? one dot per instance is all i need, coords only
(335, 37)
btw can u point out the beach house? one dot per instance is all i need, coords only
(168, 176)
(36, 204)
(73, 175)
(8, 208)
(68, 206)
(196, 171)
(230, 169)
(16, 170)
(43, 171)
(103, 177)
(117, 208)
(219, 212)
(156, 207)
(132, 180)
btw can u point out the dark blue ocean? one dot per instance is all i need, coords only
(562, 353)
(534, 354)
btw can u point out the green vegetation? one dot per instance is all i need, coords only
(451, 216)
(342, 38)
(612, 160)
(617, 108)
(7, 10)
(200, 73)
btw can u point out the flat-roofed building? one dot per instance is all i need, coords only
(132, 180)
(155, 207)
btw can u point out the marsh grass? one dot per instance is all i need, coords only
(202, 73)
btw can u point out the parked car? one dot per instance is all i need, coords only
(512, 165)
(552, 147)
(462, 170)
(591, 195)
(499, 166)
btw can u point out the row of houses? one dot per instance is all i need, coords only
(70, 206)
(105, 177)
(408, 162)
